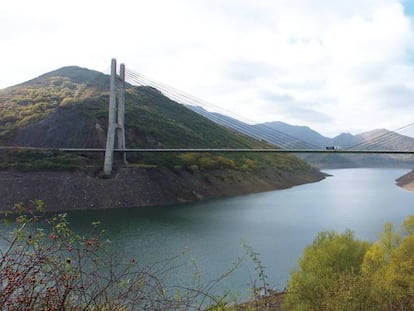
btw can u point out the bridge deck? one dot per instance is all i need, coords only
(215, 150)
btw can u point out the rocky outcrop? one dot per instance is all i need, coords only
(64, 128)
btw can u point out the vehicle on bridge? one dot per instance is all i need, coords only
(333, 148)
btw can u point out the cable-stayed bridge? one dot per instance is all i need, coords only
(286, 143)
(127, 81)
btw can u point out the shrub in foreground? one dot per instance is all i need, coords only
(338, 272)
(47, 266)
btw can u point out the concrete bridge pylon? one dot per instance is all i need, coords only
(116, 116)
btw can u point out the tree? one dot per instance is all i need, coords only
(389, 267)
(338, 272)
(375, 267)
(408, 225)
(330, 265)
(400, 275)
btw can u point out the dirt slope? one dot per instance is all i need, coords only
(135, 187)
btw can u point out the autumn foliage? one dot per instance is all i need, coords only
(338, 272)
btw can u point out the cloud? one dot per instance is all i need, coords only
(295, 110)
(397, 97)
(248, 71)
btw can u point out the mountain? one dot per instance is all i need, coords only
(345, 140)
(301, 132)
(68, 108)
(303, 137)
(230, 123)
(379, 139)
(51, 110)
(261, 132)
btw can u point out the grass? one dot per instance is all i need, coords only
(35, 160)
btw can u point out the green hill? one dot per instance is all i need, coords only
(68, 108)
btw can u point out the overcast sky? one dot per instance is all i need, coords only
(334, 65)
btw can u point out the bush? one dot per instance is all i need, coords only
(338, 272)
(47, 266)
(332, 261)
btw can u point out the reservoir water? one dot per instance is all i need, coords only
(278, 225)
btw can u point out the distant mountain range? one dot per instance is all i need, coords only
(300, 137)
(304, 133)
(375, 139)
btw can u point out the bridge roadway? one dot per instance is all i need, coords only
(216, 150)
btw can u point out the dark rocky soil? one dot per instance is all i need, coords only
(135, 187)
(272, 302)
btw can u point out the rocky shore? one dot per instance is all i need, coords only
(406, 181)
(136, 187)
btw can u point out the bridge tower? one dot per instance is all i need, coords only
(116, 116)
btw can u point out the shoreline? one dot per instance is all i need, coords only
(139, 187)
(406, 181)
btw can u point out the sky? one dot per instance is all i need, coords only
(333, 65)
